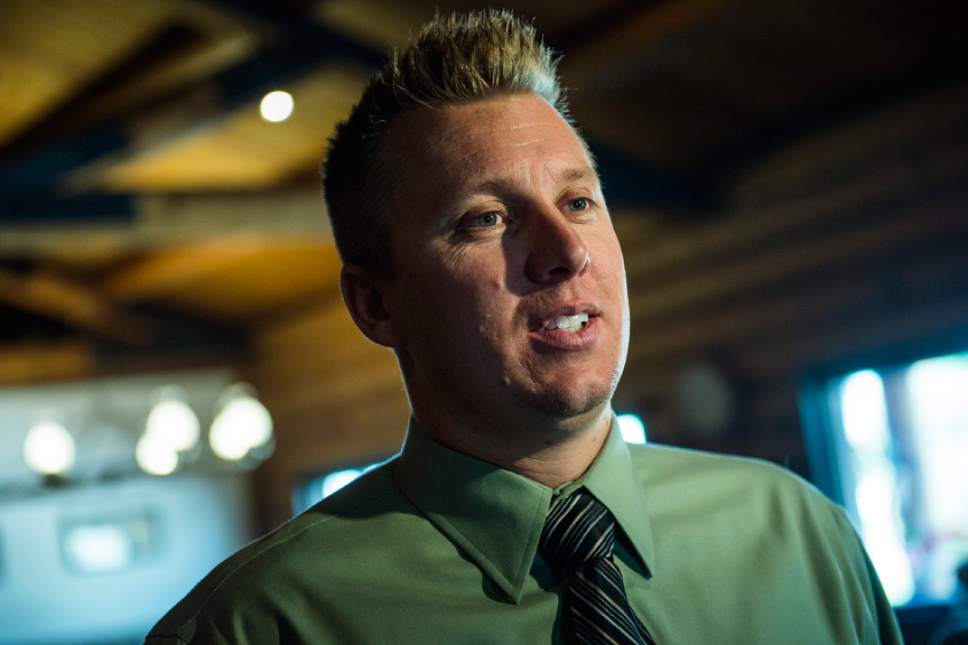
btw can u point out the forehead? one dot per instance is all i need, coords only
(507, 136)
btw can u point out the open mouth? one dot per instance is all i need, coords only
(569, 328)
(567, 318)
(568, 323)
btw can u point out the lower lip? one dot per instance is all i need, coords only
(567, 340)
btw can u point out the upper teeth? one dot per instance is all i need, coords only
(568, 323)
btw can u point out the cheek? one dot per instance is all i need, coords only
(462, 295)
(611, 263)
(484, 310)
(459, 304)
(476, 277)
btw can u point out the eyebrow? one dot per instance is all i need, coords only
(580, 173)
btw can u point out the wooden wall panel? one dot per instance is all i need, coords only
(848, 244)
(337, 399)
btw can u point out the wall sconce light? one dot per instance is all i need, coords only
(171, 430)
(49, 448)
(242, 427)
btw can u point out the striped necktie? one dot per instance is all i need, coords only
(577, 540)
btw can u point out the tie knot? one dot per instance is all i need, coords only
(578, 529)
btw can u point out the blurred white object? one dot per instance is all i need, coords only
(632, 428)
(243, 425)
(276, 106)
(173, 420)
(155, 455)
(99, 548)
(49, 448)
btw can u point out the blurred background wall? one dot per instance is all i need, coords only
(177, 372)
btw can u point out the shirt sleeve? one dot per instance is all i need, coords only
(877, 607)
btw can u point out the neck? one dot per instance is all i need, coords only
(551, 453)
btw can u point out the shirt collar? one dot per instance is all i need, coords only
(495, 516)
(613, 481)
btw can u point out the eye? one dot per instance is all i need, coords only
(484, 220)
(578, 204)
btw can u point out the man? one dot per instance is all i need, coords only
(478, 247)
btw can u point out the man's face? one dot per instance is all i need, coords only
(500, 232)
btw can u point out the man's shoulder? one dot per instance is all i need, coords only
(662, 461)
(706, 477)
(329, 541)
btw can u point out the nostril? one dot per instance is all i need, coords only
(557, 252)
(543, 268)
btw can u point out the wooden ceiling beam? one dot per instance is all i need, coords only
(32, 362)
(166, 272)
(164, 46)
(850, 102)
(48, 295)
(632, 184)
(170, 271)
(622, 34)
(42, 362)
(128, 222)
(180, 112)
(303, 45)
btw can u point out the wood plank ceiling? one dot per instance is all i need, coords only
(140, 191)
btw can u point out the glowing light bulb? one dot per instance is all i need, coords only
(242, 425)
(49, 448)
(276, 106)
(155, 455)
(226, 441)
(172, 420)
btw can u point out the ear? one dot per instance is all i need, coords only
(364, 296)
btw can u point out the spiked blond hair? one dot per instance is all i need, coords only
(455, 58)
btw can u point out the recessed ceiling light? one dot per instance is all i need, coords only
(276, 106)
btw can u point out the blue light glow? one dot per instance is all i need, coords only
(632, 428)
(338, 479)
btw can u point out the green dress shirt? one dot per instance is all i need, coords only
(435, 546)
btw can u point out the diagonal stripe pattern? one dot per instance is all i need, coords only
(577, 539)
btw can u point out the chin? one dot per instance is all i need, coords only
(569, 403)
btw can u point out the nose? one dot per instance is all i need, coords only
(557, 251)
